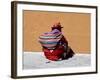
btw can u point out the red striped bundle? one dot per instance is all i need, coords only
(50, 39)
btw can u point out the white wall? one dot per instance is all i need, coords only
(5, 43)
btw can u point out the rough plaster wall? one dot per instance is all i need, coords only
(76, 29)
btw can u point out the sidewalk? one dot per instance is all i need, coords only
(38, 61)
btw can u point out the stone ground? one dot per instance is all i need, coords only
(38, 61)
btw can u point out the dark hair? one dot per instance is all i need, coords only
(57, 27)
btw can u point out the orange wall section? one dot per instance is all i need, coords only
(76, 29)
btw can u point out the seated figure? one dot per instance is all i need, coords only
(54, 44)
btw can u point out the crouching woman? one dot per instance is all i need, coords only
(61, 50)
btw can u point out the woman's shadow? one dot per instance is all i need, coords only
(69, 53)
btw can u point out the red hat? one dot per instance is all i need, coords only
(57, 25)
